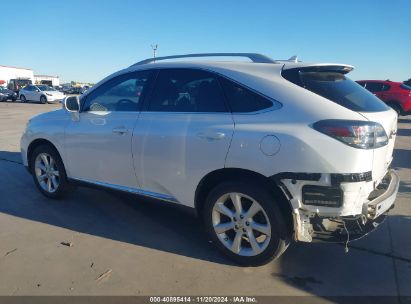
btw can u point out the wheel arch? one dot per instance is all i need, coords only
(213, 178)
(36, 143)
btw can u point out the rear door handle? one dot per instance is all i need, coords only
(211, 136)
(120, 130)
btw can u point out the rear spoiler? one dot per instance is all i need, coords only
(339, 68)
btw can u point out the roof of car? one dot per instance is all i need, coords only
(239, 66)
(256, 61)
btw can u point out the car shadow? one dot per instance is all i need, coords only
(401, 159)
(11, 156)
(109, 214)
(360, 275)
(404, 132)
(404, 120)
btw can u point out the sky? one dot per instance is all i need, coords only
(88, 40)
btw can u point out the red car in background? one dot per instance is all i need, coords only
(395, 94)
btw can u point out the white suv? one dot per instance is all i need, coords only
(265, 151)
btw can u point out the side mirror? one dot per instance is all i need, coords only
(72, 104)
(37, 90)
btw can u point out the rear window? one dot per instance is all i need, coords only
(338, 88)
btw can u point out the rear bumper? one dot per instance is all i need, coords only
(363, 204)
(349, 228)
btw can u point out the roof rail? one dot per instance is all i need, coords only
(257, 58)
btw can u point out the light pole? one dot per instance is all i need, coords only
(154, 47)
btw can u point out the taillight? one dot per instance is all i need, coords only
(357, 134)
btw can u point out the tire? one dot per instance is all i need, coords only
(272, 236)
(48, 172)
(43, 99)
(23, 98)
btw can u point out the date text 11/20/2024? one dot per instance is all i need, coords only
(205, 299)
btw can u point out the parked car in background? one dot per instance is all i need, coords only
(6, 94)
(3, 97)
(72, 90)
(266, 151)
(407, 82)
(395, 94)
(42, 93)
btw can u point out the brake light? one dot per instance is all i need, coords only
(357, 134)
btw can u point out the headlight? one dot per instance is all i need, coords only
(48, 94)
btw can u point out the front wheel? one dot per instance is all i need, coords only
(43, 99)
(48, 171)
(23, 98)
(245, 223)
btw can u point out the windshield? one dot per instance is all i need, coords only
(45, 88)
(338, 88)
(405, 87)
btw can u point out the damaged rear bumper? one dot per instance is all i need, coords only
(337, 224)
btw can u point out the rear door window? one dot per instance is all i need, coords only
(338, 88)
(187, 90)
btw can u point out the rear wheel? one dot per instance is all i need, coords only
(23, 98)
(43, 99)
(244, 222)
(48, 171)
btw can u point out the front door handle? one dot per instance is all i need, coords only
(120, 130)
(211, 136)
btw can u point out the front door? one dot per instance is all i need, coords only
(98, 145)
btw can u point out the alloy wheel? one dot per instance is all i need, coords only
(47, 173)
(241, 224)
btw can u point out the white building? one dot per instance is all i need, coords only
(9, 72)
(47, 79)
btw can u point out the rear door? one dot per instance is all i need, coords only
(28, 92)
(183, 134)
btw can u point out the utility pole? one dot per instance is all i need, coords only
(154, 47)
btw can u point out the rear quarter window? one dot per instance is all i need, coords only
(336, 87)
(243, 100)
